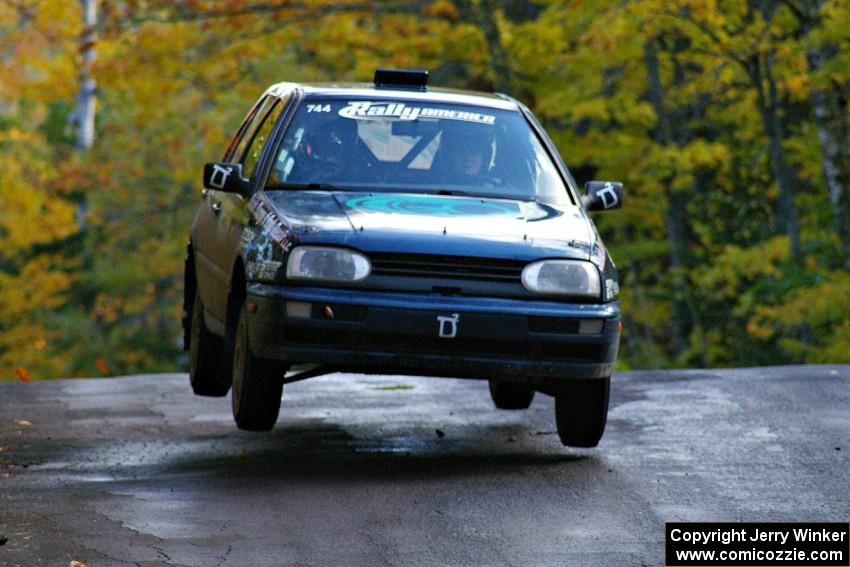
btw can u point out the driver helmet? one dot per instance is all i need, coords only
(327, 145)
(467, 150)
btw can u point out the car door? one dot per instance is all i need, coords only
(232, 213)
(212, 279)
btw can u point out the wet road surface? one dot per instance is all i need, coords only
(404, 471)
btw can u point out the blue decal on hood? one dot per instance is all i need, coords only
(431, 205)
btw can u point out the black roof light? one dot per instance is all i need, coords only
(413, 79)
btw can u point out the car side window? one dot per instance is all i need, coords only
(245, 131)
(248, 135)
(255, 149)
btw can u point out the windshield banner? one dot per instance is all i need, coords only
(365, 110)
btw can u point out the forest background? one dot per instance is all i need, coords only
(727, 121)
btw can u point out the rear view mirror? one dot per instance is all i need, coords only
(602, 195)
(225, 177)
(415, 128)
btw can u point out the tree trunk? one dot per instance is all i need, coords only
(833, 124)
(499, 60)
(832, 119)
(86, 98)
(685, 316)
(761, 76)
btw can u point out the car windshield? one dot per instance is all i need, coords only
(416, 147)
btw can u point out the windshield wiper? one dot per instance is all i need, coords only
(479, 195)
(309, 187)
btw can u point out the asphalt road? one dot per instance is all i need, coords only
(366, 471)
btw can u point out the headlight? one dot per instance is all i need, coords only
(562, 277)
(327, 264)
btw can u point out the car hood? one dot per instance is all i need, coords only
(434, 224)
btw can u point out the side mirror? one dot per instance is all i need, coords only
(225, 177)
(602, 195)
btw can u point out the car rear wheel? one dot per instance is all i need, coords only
(510, 395)
(208, 371)
(257, 384)
(581, 410)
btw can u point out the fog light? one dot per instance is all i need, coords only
(298, 309)
(590, 326)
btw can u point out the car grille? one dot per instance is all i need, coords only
(447, 267)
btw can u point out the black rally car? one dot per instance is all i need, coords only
(395, 228)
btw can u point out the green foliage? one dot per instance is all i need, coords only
(673, 98)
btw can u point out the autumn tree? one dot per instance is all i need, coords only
(37, 212)
(728, 122)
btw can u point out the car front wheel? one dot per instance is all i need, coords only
(581, 410)
(257, 384)
(208, 371)
(510, 395)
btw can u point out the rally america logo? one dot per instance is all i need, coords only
(365, 110)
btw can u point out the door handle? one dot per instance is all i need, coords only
(216, 207)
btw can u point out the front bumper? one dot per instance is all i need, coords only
(424, 334)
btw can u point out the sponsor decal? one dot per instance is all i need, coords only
(219, 175)
(432, 206)
(612, 288)
(248, 235)
(608, 196)
(269, 222)
(264, 270)
(599, 255)
(365, 110)
(264, 244)
(448, 326)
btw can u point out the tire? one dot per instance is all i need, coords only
(209, 374)
(581, 411)
(510, 395)
(257, 384)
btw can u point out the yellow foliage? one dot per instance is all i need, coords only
(443, 9)
(816, 306)
(798, 86)
(172, 90)
(834, 349)
(31, 213)
(736, 267)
